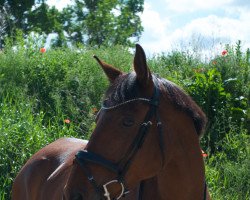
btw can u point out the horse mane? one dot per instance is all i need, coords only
(185, 103)
(126, 87)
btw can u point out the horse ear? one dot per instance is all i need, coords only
(111, 72)
(142, 71)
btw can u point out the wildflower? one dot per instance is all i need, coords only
(67, 121)
(224, 52)
(204, 155)
(43, 50)
(94, 110)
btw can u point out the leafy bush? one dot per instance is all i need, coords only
(221, 104)
(61, 80)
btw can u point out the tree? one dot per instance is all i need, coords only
(45, 19)
(17, 13)
(108, 22)
(30, 16)
(91, 22)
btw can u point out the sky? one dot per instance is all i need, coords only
(198, 25)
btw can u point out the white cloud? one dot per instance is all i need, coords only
(152, 21)
(195, 5)
(155, 30)
(208, 33)
(216, 29)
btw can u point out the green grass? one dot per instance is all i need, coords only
(228, 171)
(39, 91)
(22, 133)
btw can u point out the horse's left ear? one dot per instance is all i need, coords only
(142, 71)
(111, 72)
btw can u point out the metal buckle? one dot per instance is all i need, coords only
(107, 194)
(145, 124)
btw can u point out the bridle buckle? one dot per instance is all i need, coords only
(107, 194)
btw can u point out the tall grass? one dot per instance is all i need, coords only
(40, 90)
(22, 134)
(228, 170)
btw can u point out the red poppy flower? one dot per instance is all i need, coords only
(67, 121)
(224, 52)
(204, 155)
(43, 50)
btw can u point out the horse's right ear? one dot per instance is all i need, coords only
(111, 72)
(142, 71)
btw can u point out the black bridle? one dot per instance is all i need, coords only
(121, 168)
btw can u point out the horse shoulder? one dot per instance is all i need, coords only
(48, 166)
(29, 179)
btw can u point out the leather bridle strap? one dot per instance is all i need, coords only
(140, 137)
(85, 156)
(87, 172)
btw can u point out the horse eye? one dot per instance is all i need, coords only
(128, 122)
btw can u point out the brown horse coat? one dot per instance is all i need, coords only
(45, 174)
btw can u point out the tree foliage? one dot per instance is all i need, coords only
(17, 13)
(94, 22)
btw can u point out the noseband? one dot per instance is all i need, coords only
(121, 168)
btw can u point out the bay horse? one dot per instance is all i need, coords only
(147, 133)
(146, 141)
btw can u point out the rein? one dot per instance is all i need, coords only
(121, 168)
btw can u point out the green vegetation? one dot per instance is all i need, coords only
(39, 91)
(94, 22)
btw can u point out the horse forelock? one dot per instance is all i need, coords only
(126, 88)
(123, 89)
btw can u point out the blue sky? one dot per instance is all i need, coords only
(199, 25)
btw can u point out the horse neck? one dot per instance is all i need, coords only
(183, 175)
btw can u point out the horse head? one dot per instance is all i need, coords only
(132, 140)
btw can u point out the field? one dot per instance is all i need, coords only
(52, 94)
